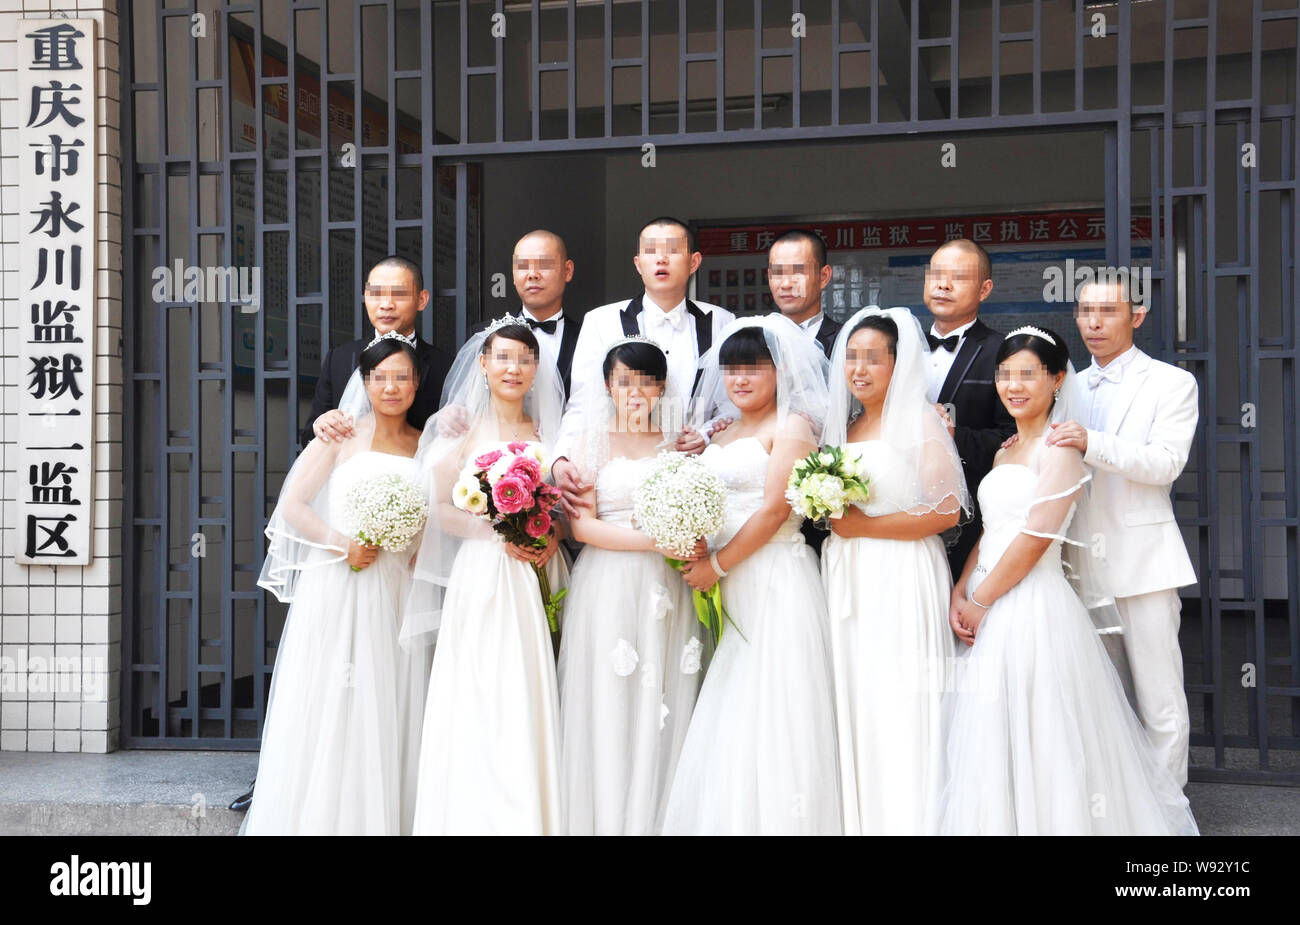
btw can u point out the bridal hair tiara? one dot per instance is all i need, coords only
(1037, 332)
(504, 321)
(393, 335)
(636, 339)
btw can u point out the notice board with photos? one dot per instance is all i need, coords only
(882, 262)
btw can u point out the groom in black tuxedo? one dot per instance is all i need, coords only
(394, 297)
(542, 269)
(961, 367)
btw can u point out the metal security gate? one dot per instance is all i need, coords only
(224, 164)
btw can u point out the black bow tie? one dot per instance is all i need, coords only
(948, 343)
(546, 327)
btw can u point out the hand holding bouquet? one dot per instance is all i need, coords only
(506, 486)
(679, 504)
(387, 512)
(825, 482)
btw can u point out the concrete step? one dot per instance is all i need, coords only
(122, 793)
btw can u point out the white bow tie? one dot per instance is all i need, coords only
(1111, 373)
(675, 319)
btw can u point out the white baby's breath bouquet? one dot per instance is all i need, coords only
(388, 512)
(825, 482)
(678, 504)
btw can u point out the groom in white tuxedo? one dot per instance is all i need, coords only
(1142, 416)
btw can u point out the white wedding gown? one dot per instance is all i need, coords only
(892, 649)
(1043, 741)
(341, 737)
(759, 757)
(630, 667)
(489, 755)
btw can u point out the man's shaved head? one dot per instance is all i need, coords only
(549, 237)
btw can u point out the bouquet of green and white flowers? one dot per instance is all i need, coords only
(388, 512)
(679, 504)
(825, 482)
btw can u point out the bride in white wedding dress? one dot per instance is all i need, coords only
(759, 757)
(343, 716)
(1043, 740)
(489, 753)
(634, 652)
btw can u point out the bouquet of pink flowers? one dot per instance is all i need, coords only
(506, 486)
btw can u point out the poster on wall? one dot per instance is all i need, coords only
(883, 261)
(56, 317)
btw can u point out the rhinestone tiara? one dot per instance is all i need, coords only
(635, 339)
(393, 335)
(504, 321)
(1037, 332)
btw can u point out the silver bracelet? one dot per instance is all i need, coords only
(972, 599)
(713, 561)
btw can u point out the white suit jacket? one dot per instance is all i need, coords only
(1150, 427)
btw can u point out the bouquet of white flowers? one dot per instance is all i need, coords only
(825, 482)
(679, 504)
(388, 512)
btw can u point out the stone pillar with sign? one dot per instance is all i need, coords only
(61, 392)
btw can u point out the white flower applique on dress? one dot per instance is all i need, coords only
(624, 658)
(691, 652)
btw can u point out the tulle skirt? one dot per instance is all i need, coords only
(340, 741)
(892, 650)
(1043, 741)
(489, 755)
(630, 667)
(759, 758)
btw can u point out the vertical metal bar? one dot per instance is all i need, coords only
(954, 67)
(327, 316)
(1038, 56)
(161, 628)
(796, 75)
(1124, 84)
(1110, 145)
(500, 42)
(428, 170)
(995, 63)
(464, 72)
(835, 62)
(228, 421)
(573, 69)
(462, 251)
(875, 61)
(359, 171)
(534, 72)
(720, 67)
(609, 70)
(1078, 57)
(914, 58)
(645, 67)
(683, 46)
(130, 577)
(391, 17)
(758, 64)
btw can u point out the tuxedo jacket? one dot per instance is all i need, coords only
(1149, 431)
(568, 343)
(982, 423)
(826, 334)
(341, 361)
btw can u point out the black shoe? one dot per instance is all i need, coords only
(244, 800)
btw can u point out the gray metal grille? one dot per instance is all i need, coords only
(212, 435)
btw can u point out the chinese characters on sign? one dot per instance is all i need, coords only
(1029, 228)
(56, 316)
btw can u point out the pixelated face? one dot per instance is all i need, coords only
(750, 386)
(540, 272)
(952, 283)
(635, 395)
(392, 301)
(392, 384)
(1106, 321)
(794, 276)
(868, 366)
(1025, 386)
(510, 367)
(665, 261)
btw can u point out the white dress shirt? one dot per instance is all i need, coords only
(940, 361)
(549, 343)
(1108, 379)
(813, 325)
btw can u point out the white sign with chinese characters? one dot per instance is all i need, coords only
(56, 309)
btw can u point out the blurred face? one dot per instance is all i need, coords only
(392, 301)
(796, 280)
(635, 395)
(1025, 386)
(1106, 322)
(751, 387)
(541, 272)
(868, 366)
(953, 287)
(510, 367)
(665, 261)
(391, 385)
